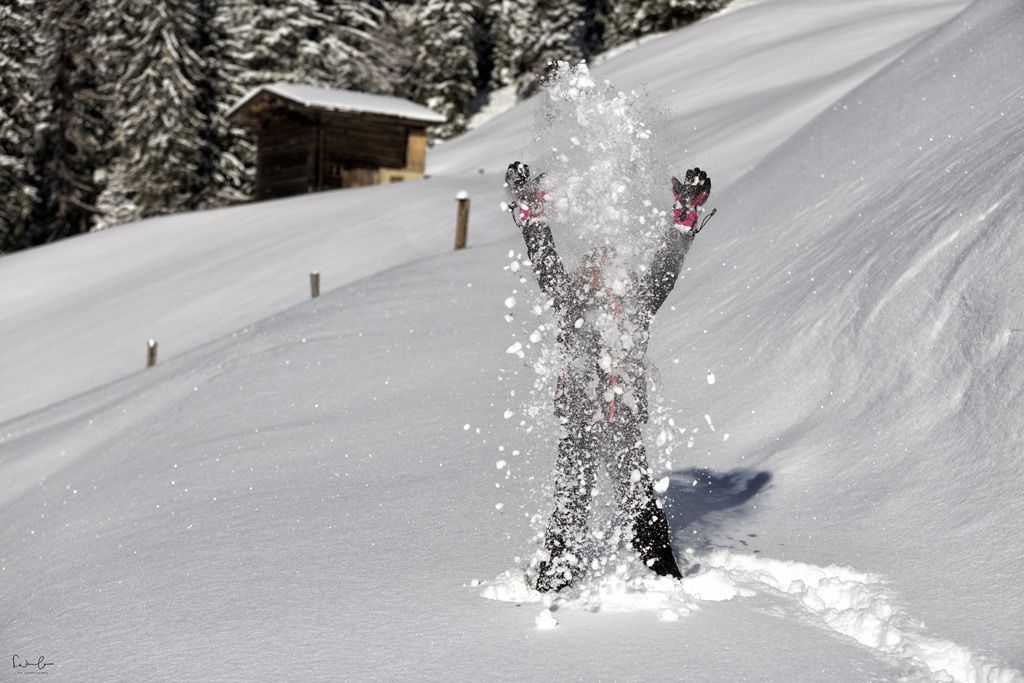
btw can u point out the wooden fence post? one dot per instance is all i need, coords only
(314, 284)
(151, 353)
(462, 220)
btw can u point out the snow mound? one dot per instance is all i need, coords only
(854, 604)
(857, 605)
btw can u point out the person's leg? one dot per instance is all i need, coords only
(634, 494)
(567, 526)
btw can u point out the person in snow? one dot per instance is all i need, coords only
(604, 318)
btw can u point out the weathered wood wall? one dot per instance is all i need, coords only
(300, 150)
(355, 149)
(285, 152)
(362, 142)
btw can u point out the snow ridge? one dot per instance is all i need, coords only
(852, 603)
(860, 606)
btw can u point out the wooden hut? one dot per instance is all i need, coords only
(310, 138)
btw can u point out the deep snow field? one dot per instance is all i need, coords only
(312, 490)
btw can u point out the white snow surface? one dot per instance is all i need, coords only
(737, 83)
(312, 491)
(344, 100)
(78, 313)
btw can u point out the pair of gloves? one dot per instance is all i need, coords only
(690, 195)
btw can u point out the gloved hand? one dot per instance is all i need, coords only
(690, 195)
(525, 194)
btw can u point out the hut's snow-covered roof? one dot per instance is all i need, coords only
(344, 100)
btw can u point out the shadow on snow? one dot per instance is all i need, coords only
(694, 496)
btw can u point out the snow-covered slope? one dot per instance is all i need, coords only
(77, 314)
(301, 498)
(862, 305)
(737, 83)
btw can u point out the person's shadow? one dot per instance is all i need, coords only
(695, 494)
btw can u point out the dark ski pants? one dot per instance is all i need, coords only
(618, 447)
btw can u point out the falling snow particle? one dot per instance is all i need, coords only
(711, 378)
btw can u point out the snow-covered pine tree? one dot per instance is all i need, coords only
(71, 133)
(334, 43)
(18, 115)
(445, 74)
(352, 53)
(397, 33)
(512, 36)
(559, 34)
(278, 41)
(112, 48)
(225, 171)
(623, 21)
(665, 15)
(528, 35)
(116, 203)
(160, 124)
(630, 19)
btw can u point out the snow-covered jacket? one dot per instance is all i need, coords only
(603, 332)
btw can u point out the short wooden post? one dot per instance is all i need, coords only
(151, 353)
(314, 284)
(462, 220)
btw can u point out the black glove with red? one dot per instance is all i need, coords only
(691, 195)
(525, 194)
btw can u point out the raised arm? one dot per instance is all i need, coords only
(667, 263)
(527, 211)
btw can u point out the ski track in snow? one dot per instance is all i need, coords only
(851, 603)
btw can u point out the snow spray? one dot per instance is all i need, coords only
(606, 188)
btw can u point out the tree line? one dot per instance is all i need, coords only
(113, 110)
